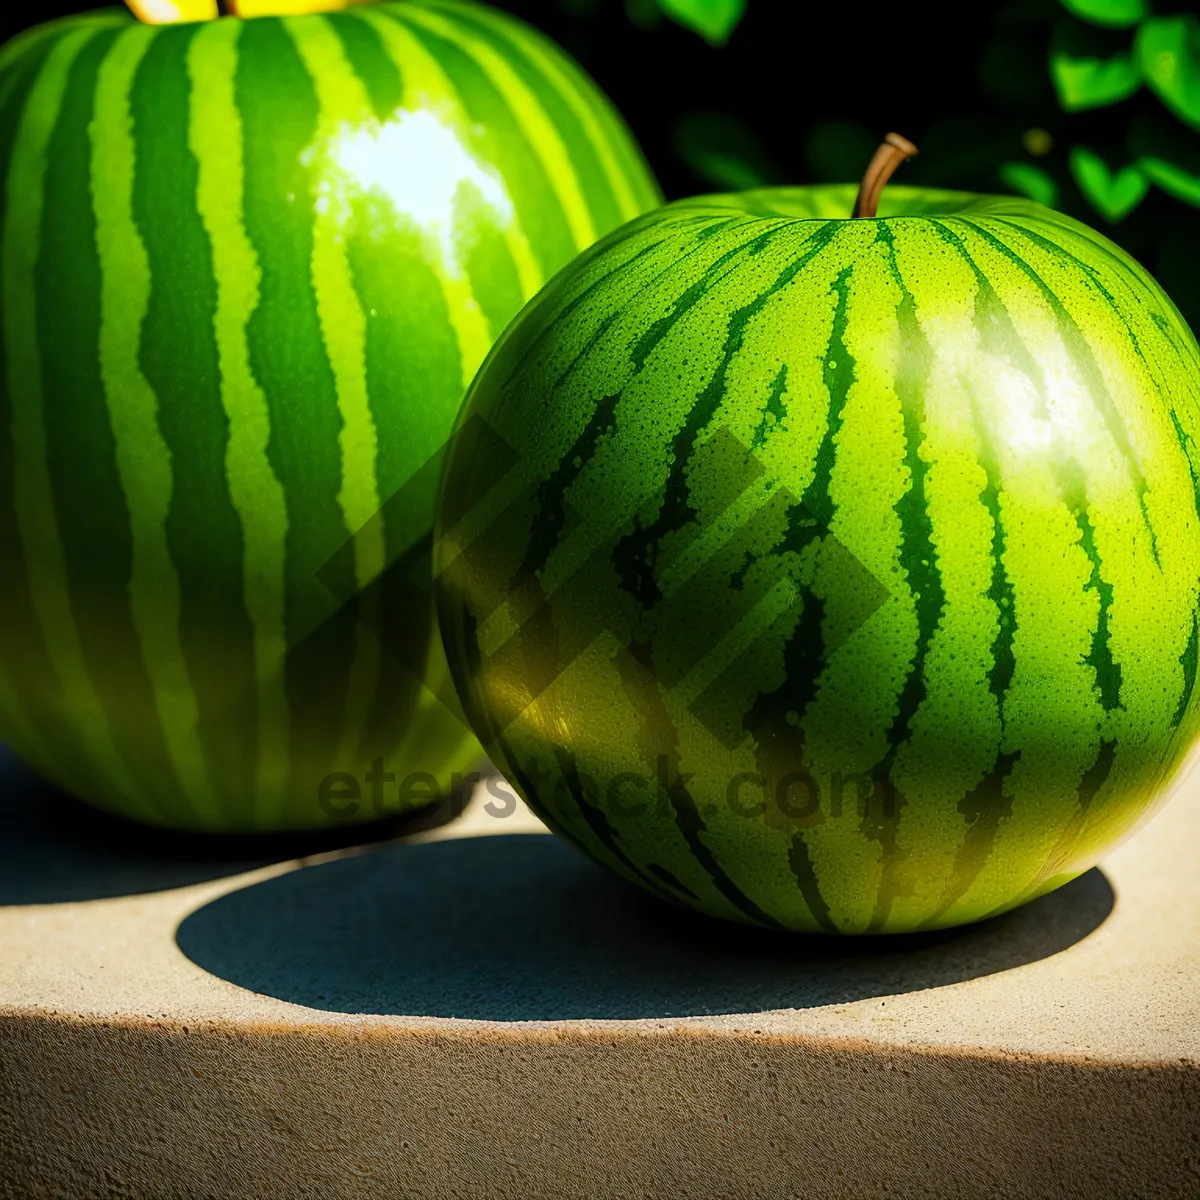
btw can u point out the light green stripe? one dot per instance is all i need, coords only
(867, 479)
(587, 108)
(143, 459)
(344, 102)
(215, 138)
(33, 494)
(959, 710)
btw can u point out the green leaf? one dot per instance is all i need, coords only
(1084, 83)
(1030, 181)
(1115, 14)
(713, 20)
(1114, 195)
(723, 151)
(1173, 179)
(1168, 50)
(1089, 68)
(1169, 155)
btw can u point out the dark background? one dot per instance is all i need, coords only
(802, 93)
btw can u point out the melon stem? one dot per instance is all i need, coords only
(893, 150)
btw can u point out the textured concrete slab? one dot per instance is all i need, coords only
(473, 1010)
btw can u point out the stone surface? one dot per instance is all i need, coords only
(473, 1010)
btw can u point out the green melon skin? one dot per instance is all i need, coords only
(248, 269)
(834, 575)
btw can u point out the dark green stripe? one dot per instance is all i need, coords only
(600, 826)
(999, 336)
(538, 211)
(1000, 590)
(774, 410)
(918, 558)
(1093, 780)
(29, 42)
(412, 360)
(1188, 662)
(15, 84)
(660, 738)
(178, 356)
(776, 719)
(1100, 658)
(1148, 298)
(530, 335)
(693, 828)
(549, 514)
(491, 269)
(280, 114)
(672, 880)
(1188, 659)
(997, 331)
(89, 499)
(1090, 271)
(984, 808)
(370, 62)
(540, 651)
(806, 880)
(509, 764)
(634, 555)
(1126, 320)
(725, 458)
(584, 161)
(1097, 775)
(838, 372)
(694, 293)
(24, 657)
(1188, 446)
(1186, 362)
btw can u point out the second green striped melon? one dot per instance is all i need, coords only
(834, 574)
(248, 268)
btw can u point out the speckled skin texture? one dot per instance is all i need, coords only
(834, 575)
(208, 1040)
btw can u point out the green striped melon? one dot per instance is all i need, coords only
(248, 268)
(834, 574)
